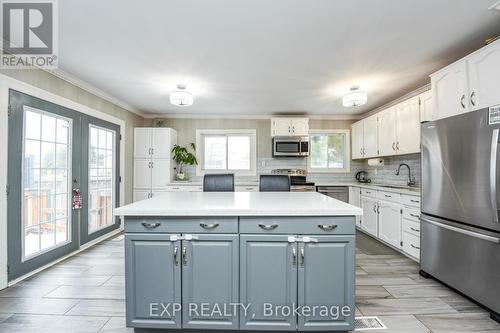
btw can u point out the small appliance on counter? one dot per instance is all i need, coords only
(298, 179)
(362, 178)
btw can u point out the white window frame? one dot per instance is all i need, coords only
(200, 149)
(347, 167)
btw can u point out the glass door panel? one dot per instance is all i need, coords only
(101, 178)
(45, 182)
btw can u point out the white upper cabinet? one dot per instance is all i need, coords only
(467, 85)
(142, 142)
(283, 126)
(161, 142)
(357, 130)
(387, 132)
(408, 127)
(450, 91)
(484, 71)
(370, 135)
(426, 106)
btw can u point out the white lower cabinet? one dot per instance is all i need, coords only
(391, 217)
(369, 221)
(389, 222)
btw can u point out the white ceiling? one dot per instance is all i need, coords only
(256, 57)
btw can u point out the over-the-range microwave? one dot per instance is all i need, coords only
(291, 146)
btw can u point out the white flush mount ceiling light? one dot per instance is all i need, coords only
(181, 97)
(354, 98)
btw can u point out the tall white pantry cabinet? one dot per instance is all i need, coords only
(153, 162)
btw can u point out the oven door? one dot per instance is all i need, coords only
(286, 146)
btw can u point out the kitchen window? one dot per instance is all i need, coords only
(329, 151)
(221, 151)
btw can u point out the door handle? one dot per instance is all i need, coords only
(176, 250)
(327, 227)
(269, 226)
(294, 257)
(302, 257)
(209, 226)
(464, 231)
(462, 101)
(150, 225)
(472, 97)
(493, 174)
(184, 256)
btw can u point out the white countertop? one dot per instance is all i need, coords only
(239, 204)
(380, 187)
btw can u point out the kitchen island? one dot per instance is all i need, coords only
(240, 261)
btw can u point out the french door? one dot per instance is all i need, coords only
(63, 181)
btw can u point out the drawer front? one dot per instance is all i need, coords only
(389, 196)
(242, 188)
(368, 192)
(411, 213)
(411, 245)
(185, 188)
(411, 227)
(182, 225)
(410, 200)
(335, 225)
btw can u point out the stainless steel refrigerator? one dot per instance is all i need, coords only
(460, 232)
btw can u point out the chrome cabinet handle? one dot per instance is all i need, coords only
(374, 208)
(462, 100)
(415, 247)
(268, 227)
(416, 230)
(289, 129)
(152, 164)
(152, 151)
(416, 201)
(293, 129)
(388, 196)
(150, 225)
(294, 257)
(361, 151)
(415, 215)
(472, 96)
(393, 146)
(184, 256)
(327, 227)
(209, 226)
(397, 145)
(176, 250)
(302, 257)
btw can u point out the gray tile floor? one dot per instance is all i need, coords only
(86, 294)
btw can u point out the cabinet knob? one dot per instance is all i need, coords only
(268, 226)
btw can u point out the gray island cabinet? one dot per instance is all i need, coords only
(240, 261)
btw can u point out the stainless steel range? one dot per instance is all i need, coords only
(298, 179)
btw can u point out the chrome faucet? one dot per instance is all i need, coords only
(411, 180)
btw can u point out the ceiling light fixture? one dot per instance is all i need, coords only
(181, 97)
(354, 98)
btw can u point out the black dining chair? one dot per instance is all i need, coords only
(218, 183)
(274, 183)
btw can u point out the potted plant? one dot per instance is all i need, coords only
(183, 157)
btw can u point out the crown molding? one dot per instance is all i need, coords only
(91, 89)
(244, 116)
(398, 100)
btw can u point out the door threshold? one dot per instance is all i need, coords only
(81, 249)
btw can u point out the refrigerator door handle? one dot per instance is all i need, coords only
(464, 231)
(493, 173)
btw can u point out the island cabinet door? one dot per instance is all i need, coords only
(152, 281)
(210, 280)
(326, 284)
(268, 282)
